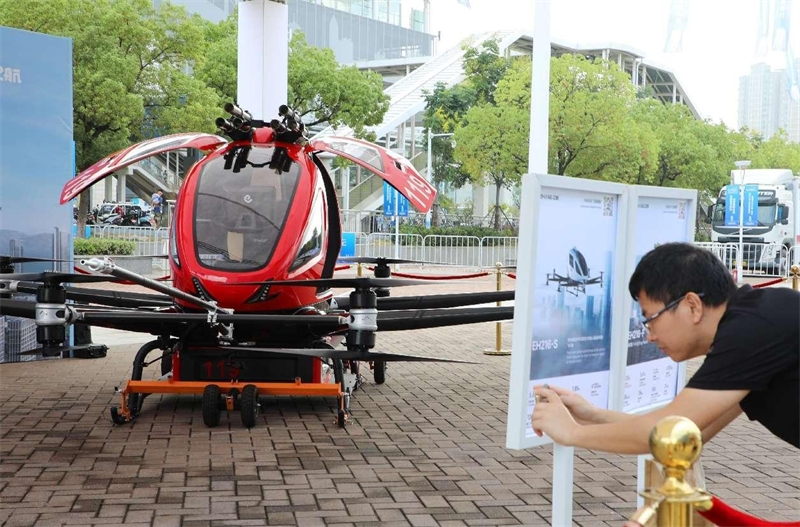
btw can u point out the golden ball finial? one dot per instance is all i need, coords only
(796, 270)
(676, 442)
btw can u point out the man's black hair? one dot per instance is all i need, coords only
(674, 269)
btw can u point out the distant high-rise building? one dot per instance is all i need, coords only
(765, 105)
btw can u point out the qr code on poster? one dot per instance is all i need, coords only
(608, 205)
(681, 210)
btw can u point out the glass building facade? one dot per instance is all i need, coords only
(356, 30)
(361, 30)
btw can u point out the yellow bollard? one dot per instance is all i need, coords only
(499, 328)
(795, 277)
(675, 443)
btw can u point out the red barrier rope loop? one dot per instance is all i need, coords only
(342, 267)
(723, 515)
(512, 275)
(769, 283)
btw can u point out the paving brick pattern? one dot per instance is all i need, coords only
(424, 449)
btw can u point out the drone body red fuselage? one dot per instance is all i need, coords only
(223, 286)
(258, 210)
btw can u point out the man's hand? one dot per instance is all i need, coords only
(551, 417)
(582, 410)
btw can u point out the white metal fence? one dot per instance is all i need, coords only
(759, 259)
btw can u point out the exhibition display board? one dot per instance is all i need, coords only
(575, 323)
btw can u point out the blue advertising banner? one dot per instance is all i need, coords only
(348, 244)
(750, 206)
(36, 151)
(731, 205)
(390, 195)
(571, 323)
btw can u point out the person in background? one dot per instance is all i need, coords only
(157, 202)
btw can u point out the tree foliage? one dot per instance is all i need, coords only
(130, 79)
(322, 91)
(492, 145)
(601, 128)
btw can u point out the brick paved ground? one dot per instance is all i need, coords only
(426, 448)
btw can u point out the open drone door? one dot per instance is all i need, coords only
(394, 169)
(135, 153)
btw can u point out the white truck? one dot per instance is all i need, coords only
(768, 246)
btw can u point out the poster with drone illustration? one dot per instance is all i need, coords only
(572, 264)
(660, 215)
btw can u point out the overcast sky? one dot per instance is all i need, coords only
(718, 44)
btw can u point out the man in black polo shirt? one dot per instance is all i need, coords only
(691, 307)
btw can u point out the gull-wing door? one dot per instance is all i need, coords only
(135, 153)
(392, 168)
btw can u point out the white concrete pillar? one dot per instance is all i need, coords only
(109, 189)
(122, 184)
(263, 57)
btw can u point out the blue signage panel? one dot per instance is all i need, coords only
(390, 195)
(36, 151)
(751, 206)
(731, 205)
(348, 244)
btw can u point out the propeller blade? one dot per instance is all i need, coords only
(355, 283)
(24, 259)
(57, 278)
(347, 354)
(434, 318)
(376, 260)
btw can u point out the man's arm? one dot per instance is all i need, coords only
(710, 410)
(724, 420)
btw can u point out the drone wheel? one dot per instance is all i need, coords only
(249, 405)
(116, 418)
(211, 405)
(379, 371)
(341, 419)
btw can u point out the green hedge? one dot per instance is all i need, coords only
(103, 246)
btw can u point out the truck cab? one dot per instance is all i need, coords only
(766, 245)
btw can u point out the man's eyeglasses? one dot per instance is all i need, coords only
(646, 321)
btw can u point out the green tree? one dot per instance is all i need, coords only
(590, 133)
(777, 152)
(484, 67)
(129, 63)
(492, 146)
(322, 91)
(218, 68)
(691, 153)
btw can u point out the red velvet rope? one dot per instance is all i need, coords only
(436, 277)
(341, 267)
(512, 275)
(724, 515)
(127, 282)
(769, 283)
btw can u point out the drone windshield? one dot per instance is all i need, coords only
(239, 215)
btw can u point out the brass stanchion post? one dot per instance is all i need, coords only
(498, 328)
(676, 443)
(359, 271)
(795, 272)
